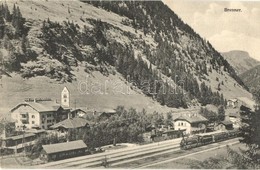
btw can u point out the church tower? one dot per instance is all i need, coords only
(65, 97)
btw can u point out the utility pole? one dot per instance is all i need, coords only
(2, 68)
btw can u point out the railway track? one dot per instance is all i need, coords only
(120, 156)
(114, 156)
(203, 149)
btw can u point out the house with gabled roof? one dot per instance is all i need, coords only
(192, 122)
(64, 150)
(225, 125)
(232, 103)
(71, 123)
(38, 114)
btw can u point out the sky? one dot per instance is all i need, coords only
(226, 31)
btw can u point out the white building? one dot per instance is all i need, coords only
(192, 122)
(41, 113)
(233, 103)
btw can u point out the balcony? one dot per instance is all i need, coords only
(24, 118)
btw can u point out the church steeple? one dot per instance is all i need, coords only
(65, 97)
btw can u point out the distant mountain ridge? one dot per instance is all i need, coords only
(252, 77)
(241, 61)
(131, 41)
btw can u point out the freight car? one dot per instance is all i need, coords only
(220, 136)
(207, 139)
(199, 140)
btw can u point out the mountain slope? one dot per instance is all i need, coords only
(252, 77)
(240, 60)
(160, 57)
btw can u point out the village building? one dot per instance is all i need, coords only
(234, 117)
(18, 142)
(38, 132)
(41, 113)
(99, 113)
(192, 122)
(64, 150)
(232, 103)
(78, 112)
(224, 125)
(38, 114)
(71, 123)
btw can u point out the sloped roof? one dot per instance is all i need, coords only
(21, 136)
(78, 109)
(66, 146)
(45, 106)
(192, 118)
(233, 100)
(36, 131)
(72, 123)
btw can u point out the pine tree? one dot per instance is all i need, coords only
(7, 14)
(2, 27)
(221, 113)
(250, 133)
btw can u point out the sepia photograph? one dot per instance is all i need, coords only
(129, 84)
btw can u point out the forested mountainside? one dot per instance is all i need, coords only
(252, 78)
(145, 42)
(240, 60)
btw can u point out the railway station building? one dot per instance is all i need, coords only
(191, 122)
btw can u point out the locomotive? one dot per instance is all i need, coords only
(199, 140)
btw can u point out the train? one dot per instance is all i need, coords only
(200, 140)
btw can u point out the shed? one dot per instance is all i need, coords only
(64, 150)
(225, 125)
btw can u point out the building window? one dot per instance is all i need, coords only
(33, 122)
(33, 116)
(181, 123)
(48, 115)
